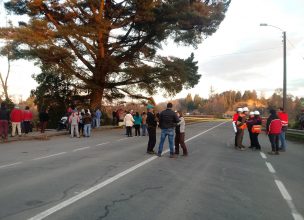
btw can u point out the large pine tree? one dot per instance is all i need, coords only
(110, 46)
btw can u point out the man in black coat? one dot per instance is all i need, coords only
(152, 124)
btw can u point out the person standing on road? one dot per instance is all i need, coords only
(16, 119)
(74, 120)
(152, 125)
(87, 121)
(43, 118)
(283, 116)
(137, 123)
(273, 128)
(234, 122)
(144, 123)
(256, 130)
(180, 133)
(249, 124)
(129, 122)
(241, 126)
(27, 118)
(167, 121)
(98, 117)
(4, 119)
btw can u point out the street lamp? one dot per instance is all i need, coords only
(284, 62)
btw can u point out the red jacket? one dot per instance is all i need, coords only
(235, 117)
(284, 118)
(275, 126)
(27, 115)
(16, 115)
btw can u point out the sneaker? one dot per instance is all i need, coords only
(159, 154)
(172, 156)
(271, 152)
(277, 153)
(151, 152)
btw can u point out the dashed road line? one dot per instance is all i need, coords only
(52, 155)
(263, 155)
(101, 144)
(270, 167)
(10, 165)
(81, 148)
(283, 190)
(122, 139)
(91, 190)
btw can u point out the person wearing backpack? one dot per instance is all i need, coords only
(74, 120)
(273, 128)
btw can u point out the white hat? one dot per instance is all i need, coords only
(256, 112)
(251, 113)
(240, 110)
(245, 109)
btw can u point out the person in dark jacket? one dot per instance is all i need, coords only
(257, 122)
(250, 122)
(43, 118)
(273, 128)
(152, 124)
(4, 119)
(167, 121)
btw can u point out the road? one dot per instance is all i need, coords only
(109, 176)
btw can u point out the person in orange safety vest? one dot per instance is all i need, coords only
(241, 126)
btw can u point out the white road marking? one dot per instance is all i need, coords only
(10, 165)
(263, 155)
(89, 191)
(297, 216)
(283, 190)
(102, 144)
(82, 148)
(270, 167)
(53, 155)
(123, 139)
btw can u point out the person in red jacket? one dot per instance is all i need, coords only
(16, 119)
(27, 118)
(283, 116)
(273, 128)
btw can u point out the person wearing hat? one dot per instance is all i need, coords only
(234, 120)
(152, 124)
(16, 119)
(241, 126)
(256, 130)
(249, 123)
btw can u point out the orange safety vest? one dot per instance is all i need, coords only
(256, 129)
(244, 126)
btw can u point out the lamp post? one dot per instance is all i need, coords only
(284, 62)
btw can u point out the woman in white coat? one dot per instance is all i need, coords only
(129, 121)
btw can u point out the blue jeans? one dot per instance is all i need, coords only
(144, 129)
(87, 130)
(282, 140)
(164, 133)
(97, 122)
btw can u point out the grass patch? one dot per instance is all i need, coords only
(295, 137)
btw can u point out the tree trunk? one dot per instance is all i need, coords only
(95, 99)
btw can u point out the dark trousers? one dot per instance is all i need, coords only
(43, 125)
(180, 141)
(27, 126)
(239, 138)
(255, 141)
(152, 138)
(274, 140)
(137, 130)
(129, 131)
(3, 128)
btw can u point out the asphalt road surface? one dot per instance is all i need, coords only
(109, 176)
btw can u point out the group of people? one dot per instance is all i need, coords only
(276, 127)
(170, 122)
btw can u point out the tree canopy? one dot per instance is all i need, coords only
(109, 47)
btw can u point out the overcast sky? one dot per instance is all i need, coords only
(241, 55)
